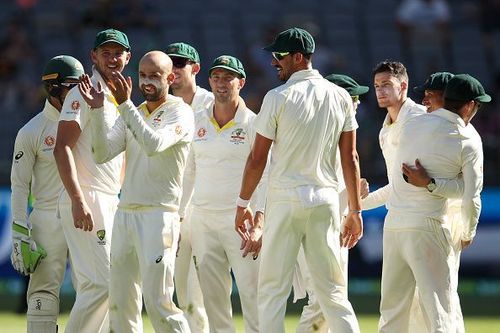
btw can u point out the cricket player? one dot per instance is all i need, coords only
(418, 249)
(34, 171)
(155, 137)
(186, 65)
(223, 137)
(391, 87)
(312, 318)
(433, 90)
(88, 203)
(307, 120)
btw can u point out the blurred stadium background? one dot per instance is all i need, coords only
(352, 37)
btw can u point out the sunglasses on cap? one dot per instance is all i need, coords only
(179, 62)
(279, 55)
(69, 85)
(355, 98)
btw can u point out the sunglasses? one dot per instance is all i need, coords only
(69, 85)
(180, 62)
(280, 55)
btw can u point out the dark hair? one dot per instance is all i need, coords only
(395, 68)
(454, 105)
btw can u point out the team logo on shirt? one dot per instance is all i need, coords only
(178, 129)
(49, 140)
(202, 132)
(238, 136)
(100, 235)
(19, 155)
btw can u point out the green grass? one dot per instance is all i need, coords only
(16, 323)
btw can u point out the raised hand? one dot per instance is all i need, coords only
(94, 96)
(121, 88)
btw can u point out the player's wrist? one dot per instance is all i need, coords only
(243, 203)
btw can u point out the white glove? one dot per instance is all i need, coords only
(25, 255)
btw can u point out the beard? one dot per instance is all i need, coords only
(154, 96)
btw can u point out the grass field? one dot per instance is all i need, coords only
(14, 323)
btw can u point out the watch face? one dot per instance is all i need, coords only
(431, 186)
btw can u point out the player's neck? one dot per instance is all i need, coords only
(153, 105)
(225, 112)
(186, 93)
(393, 110)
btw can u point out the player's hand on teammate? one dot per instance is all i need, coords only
(415, 175)
(364, 188)
(121, 87)
(82, 216)
(94, 96)
(352, 230)
(254, 242)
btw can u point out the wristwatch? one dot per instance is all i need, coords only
(431, 186)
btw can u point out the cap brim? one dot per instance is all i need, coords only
(227, 68)
(483, 98)
(271, 48)
(127, 47)
(360, 90)
(178, 55)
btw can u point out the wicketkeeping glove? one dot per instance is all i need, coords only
(26, 255)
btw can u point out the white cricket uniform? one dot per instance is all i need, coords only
(418, 247)
(89, 251)
(216, 165)
(448, 188)
(187, 286)
(305, 118)
(146, 227)
(34, 170)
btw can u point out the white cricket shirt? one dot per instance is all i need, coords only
(305, 117)
(445, 147)
(102, 177)
(33, 165)
(218, 159)
(202, 99)
(156, 146)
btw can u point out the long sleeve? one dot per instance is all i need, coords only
(472, 171)
(21, 175)
(187, 184)
(449, 188)
(106, 145)
(152, 141)
(376, 198)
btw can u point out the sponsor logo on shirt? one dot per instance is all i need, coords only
(49, 140)
(19, 155)
(202, 132)
(238, 136)
(100, 235)
(75, 108)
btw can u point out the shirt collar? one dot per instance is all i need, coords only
(50, 111)
(405, 108)
(305, 74)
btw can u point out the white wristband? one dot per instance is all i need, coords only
(242, 203)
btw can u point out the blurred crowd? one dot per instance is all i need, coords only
(428, 34)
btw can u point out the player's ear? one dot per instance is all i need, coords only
(195, 68)
(93, 56)
(171, 78)
(404, 85)
(129, 55)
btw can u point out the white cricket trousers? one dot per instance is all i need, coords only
(417, 251)
(143, 255)
(187, 286)
(419, 323)
(89, 254)
(216, 250)
(49, 275)
(289, 224)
